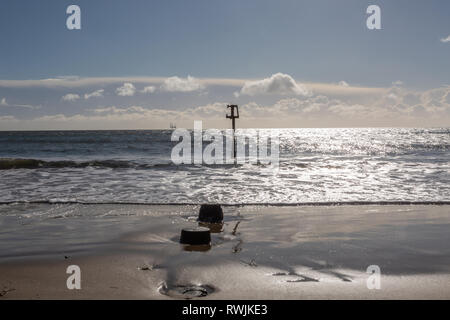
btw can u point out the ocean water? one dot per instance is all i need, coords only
(316, 166)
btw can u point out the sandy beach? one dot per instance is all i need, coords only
(262, 252)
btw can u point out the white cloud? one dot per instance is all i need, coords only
(126, 90)
(392, 96)
(397, 83)
(149, 89)
(343, 84)
(176, 84)
(279, 83)
(446, 98)
(28, 106)
(115, 110)
(4, 103)
(97, 94)
(71, 97)
(444, 40)
(7, 119)
(412, 99)
(77, 82)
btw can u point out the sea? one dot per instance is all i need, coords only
(316, 166)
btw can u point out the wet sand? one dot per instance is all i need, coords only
(262, 252)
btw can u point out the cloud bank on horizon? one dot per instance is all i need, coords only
(275, 101)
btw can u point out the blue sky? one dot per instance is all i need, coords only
(312, 42)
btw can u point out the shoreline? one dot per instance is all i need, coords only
(254, 204)
(263, 252)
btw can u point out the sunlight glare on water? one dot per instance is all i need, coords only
(316, 165)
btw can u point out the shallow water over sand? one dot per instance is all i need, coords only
(262, 252)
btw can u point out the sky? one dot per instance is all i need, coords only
(142, 64)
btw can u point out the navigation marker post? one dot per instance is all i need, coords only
(233, 116)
